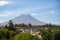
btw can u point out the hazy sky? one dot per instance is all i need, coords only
(44, 10)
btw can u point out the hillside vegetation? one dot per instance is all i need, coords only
(45, 32)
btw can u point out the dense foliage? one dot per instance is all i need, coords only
(47, 32)
(6, 34)
(25, 36)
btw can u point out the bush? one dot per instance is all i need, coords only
(25, 36)
(6, 34)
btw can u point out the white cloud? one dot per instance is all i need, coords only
(34, 14)
(6, 14)
(2, 3)
(52, 12)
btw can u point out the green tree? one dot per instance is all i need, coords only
(6, 26)
(11, 26)
(25, 36)
(46, 34)
(56, 34)
(30, 25)
(23, 25)
(6, 34)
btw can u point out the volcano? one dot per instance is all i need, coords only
(26, 19)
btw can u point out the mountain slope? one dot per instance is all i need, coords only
(26, 19)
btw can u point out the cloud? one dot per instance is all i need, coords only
(52, 12)
(5, 14)
(3, 3)
(34, 14)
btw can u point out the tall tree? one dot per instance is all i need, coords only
(30, 25)
(6, 26)
(11, 26)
